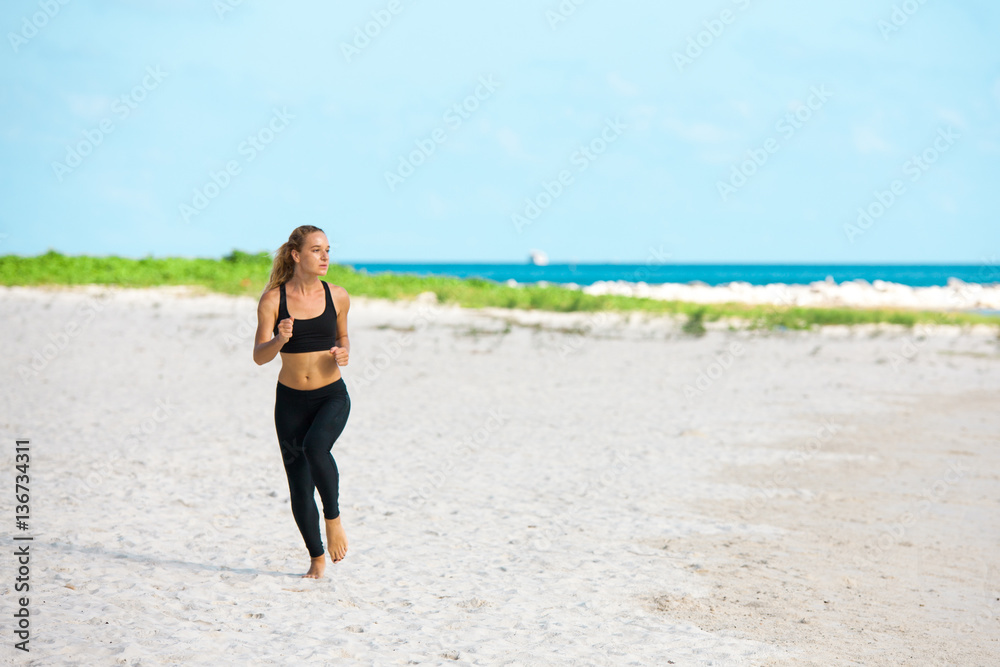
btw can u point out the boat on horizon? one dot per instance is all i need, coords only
(538, 258)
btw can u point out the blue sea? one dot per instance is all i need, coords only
(916, 275)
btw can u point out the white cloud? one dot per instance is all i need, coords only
(699, 133)
(989, 146)
(953, 117)
(742, 106)
(435, 207)
(720, 157)
(947, 204)
(89, 107)
(868, 140)
(510, 141)
(620, 85)
(136, 198)
(639, 117)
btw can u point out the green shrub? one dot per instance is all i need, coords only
(245, 274)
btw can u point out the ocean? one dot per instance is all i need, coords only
(916, 275)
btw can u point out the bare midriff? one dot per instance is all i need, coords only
(308, 370)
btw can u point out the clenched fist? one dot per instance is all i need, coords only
(285, 328)
(340, 354)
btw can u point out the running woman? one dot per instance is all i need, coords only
(305, 319)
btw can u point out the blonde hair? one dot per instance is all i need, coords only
(283, 267)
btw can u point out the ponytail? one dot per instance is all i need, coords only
(283, 267)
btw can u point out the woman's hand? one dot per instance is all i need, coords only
(340, 354)
(285, 328)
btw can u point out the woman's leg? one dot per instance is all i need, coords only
(293, 416)
(327, 425)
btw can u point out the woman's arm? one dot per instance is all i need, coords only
(265, 345)
(343, 303)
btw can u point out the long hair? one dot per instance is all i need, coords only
(283, 267)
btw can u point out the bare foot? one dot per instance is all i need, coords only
(336, 538)
(316, 567)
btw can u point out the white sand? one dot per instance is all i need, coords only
(626, 496)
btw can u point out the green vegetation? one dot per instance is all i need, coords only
(245, 274)
(695, 325)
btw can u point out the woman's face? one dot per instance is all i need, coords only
(314, 257)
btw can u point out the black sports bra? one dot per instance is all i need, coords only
(312, 335)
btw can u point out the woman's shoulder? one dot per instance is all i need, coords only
(270, 297)
(336, 290)
(340, 298)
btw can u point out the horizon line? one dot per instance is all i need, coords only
(562, 262)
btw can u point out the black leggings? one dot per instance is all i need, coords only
(308, 422)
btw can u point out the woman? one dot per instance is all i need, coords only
(305, 319)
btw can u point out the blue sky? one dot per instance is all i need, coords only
(463, 131)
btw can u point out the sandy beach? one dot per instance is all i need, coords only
(518, 488)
